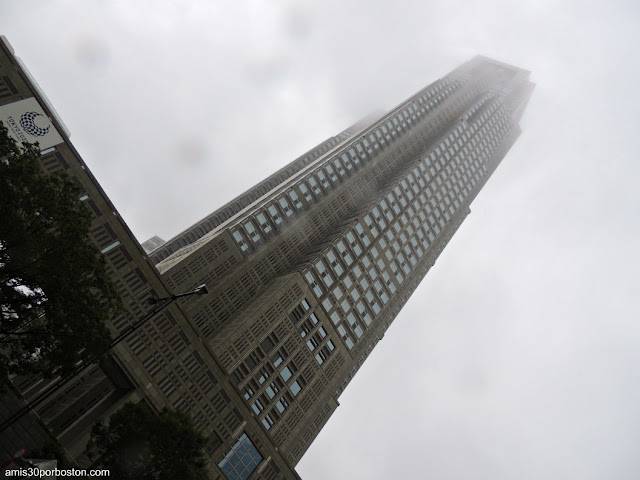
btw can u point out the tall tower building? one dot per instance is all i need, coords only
(309, 268)
(306, 271)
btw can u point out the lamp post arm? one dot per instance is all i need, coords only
(132, 328)
(160, 303)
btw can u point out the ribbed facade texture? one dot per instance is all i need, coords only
(306, 271)
(307, 278)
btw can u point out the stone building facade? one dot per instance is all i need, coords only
(306, 271)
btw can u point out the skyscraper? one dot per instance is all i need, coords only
(306, 270)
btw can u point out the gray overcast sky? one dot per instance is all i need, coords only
(519, 354)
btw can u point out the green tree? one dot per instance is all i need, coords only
(55, 294)
(137, 444)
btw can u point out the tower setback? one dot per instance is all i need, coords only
(308, 276)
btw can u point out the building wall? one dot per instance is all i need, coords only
(308, 278)
(306, 271)
(211, 221)
(164, 363)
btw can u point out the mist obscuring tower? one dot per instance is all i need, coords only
(306, 271)
(309, 268)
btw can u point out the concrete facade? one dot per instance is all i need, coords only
(164, 363)
(307, 278)
(306, 271)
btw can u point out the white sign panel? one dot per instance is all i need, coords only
(27, 122)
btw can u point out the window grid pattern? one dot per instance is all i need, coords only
(242, 459)
(229, 210)
(267, 219)
(362, 268)
(271, 386)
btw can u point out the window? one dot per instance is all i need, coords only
(305, 329)
(344, 253)
(274, 214)
(257, 407)
(237, 236)
(251, 231)
(267, 421)
(110, 247)
(324, 274)
(334, 263)
(295, 388)
(264, 374)
(323, 180)
(345, 306)
(284, 204)
(280, 356)
(314, 186)
(363, 313)
(241, 461)
(286, 373)
(331, 173)
(295, 200)
(305, 192)
(346, 161)
(264, 224)
(272, 390)
(282, 404)
(321, 357)
(313, 284)
(248, 393)
(347, 282)
(354, 244)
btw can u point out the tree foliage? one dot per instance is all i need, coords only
(55, 294)
(137, 444)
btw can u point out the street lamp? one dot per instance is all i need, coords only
(199, 290)
(160, 304)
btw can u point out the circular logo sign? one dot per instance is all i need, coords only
(27, 121)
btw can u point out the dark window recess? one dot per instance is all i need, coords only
(237, 414)
(296, 314)
(251, 363)
(198, 358)
(225, 396)
(9, 83)
(269, 342)
(241, 372)
(108, 228)
(141, 275)
(170, 317)
(185, 339)
(125, 253)
(212, 377)
(62, 161)
(94, 207)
